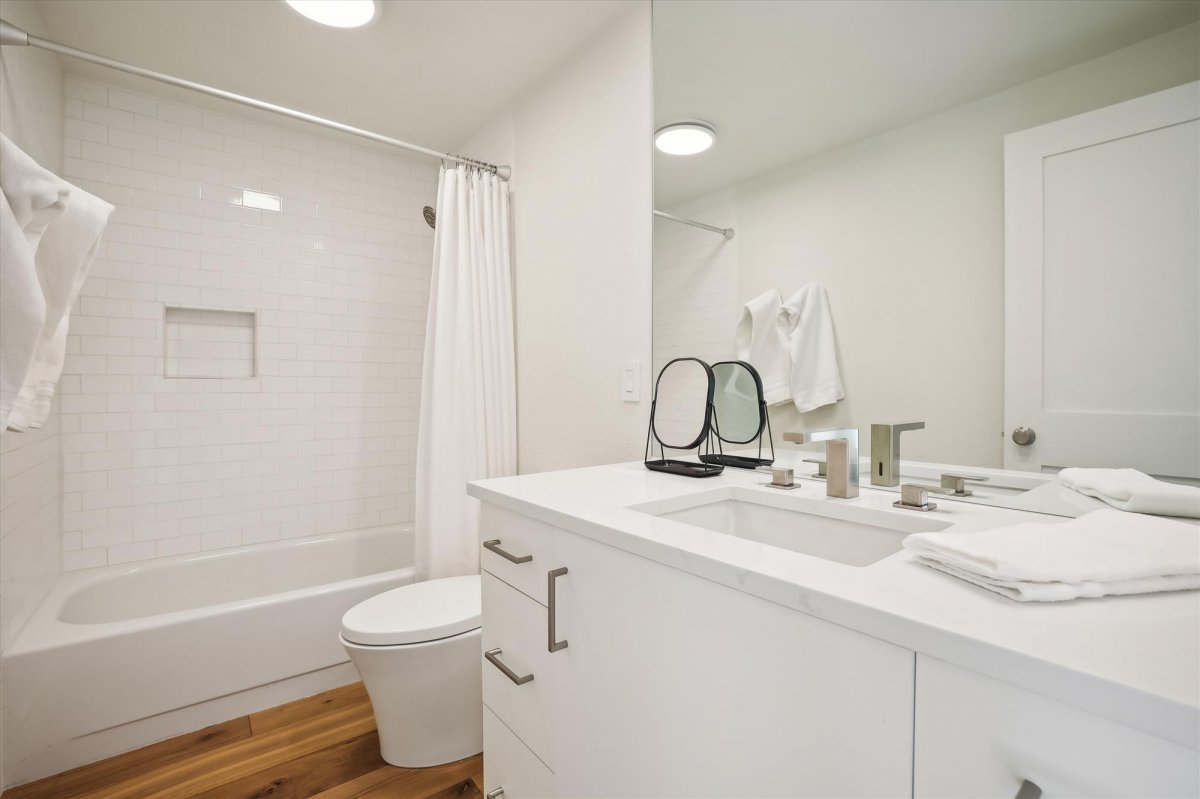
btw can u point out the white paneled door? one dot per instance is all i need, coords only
(1102, 288)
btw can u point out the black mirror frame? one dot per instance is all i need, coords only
(764, 421)
(703, 466)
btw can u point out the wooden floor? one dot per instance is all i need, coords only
(324, 746)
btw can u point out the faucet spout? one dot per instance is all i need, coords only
(885, 451)
(841, 455)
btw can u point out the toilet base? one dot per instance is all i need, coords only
(427, 698)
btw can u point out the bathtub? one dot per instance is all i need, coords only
(121, 656)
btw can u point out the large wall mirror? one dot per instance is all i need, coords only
(999, 199)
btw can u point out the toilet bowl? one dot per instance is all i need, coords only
(417, 649)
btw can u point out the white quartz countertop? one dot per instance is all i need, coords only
(1133, 659)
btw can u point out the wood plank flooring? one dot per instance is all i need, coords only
(324, 746)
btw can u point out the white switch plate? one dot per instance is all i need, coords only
(631, 381)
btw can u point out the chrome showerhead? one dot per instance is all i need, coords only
(430, 216)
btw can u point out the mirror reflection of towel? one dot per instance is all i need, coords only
(806, 323)
(759, 342)
(792, 346)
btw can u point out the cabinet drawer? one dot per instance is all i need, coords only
(516, 625)
(976, 736)
(509, 764)
(520, 537)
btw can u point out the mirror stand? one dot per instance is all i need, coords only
(686, 387)
(739, 415)
(745, 461)
(707, 463)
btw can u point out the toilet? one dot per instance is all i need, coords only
(417, 649)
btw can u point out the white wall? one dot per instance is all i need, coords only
(580, 149)
(906, 231)
(31, 114)
(323, 438)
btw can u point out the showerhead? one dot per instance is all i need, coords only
(430, 216)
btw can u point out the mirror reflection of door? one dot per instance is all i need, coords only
(1102, 268)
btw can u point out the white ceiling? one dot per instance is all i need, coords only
(425, 71)
(786, 80)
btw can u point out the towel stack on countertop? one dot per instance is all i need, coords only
(791, 345)
(1105, 552)
(49, 233)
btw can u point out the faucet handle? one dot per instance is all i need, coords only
(900, 428)
(916, 497)
(781, 476)
(820, 466)
(956, 484)
(847, 433)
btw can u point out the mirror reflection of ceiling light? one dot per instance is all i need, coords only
(336, 13)
(685, 138)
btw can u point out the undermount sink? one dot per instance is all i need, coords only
(837, 530)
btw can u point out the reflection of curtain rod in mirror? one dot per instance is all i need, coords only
(12, 35)
(727, 232)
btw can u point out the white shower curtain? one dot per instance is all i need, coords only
(468, 425)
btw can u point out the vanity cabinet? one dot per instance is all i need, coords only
(979, 737)
(671, 685)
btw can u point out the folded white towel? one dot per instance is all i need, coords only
(1105, 552)
(63, 260)
(30, 198)
(806, 322)
(1131, 490)
(759, 341)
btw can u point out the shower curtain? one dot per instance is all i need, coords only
(468, 423)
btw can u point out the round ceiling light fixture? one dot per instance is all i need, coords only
(685, 138)
(336, 13)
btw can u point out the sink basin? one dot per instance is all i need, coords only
(841, 532)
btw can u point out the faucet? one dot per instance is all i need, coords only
(841, 455)
(885, 452)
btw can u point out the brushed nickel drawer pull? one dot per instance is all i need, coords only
(492, 658)
(496, 794)
(551, 644)
(494, 546)
(1028, 790)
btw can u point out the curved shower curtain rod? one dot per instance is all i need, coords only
(12, 35)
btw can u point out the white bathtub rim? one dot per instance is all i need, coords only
(44, 630)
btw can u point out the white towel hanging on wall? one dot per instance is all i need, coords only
(49, 236)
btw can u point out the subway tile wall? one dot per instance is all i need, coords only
(695, 298)
(323, 437)
(696, 283)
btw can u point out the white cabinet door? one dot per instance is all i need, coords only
(510, 765)
(1102, 288)
(675, 686)
(516, 625)
(979, 737)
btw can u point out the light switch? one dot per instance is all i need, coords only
(631, 381)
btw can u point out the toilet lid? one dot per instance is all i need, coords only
(415, 613)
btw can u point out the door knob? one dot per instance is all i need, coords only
(1024, 436)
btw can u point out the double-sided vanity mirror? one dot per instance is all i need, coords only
(1005, 228)
(682, 420)
(740, 413)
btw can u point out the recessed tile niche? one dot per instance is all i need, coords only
(209, 343)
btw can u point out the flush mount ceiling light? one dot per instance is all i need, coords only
(685, 138)
(336, 13)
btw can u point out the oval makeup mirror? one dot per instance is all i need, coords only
(681, 418)
(741, 413)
